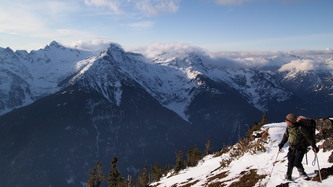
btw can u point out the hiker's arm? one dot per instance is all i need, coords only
(284, 139)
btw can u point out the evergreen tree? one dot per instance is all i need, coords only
(193, 156)
(114, 179)
(180, 164)
(128, 182)
(143, 179)
(156, 172)
(166, 169)
(263, 120)
(208, 149)
(257, 126)
(96, 176)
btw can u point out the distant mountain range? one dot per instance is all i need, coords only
(63, 109)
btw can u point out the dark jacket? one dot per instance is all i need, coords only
(298, 136)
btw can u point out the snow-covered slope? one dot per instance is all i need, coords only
(231, 166)
(26, 77)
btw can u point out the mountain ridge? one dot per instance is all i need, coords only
(142, 106)
(155, 73)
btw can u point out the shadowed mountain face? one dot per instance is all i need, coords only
(60, 137)
(124, 105)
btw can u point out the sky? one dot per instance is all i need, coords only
(214, 25)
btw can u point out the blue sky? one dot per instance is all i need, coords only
(215, 25)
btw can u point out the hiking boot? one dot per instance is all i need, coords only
(288, 177)
(305, 176)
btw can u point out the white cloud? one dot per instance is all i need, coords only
(57, 7)
(302, 65)
(176, 49)
(156, 7)
(18, 20)
(33, 19)
(143, 7)
(91, 45)
(231, 2)
(114, 5)
(172, 48)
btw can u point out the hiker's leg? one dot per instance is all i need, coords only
(291, 162)
(298, 161)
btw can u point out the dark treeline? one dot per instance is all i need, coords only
(147, 176)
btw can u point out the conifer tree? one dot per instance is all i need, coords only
(257, 126)
(114, 179)
(128, 182)
(143, 179)
(166, 169)
(193, 156)
(180, 164)
(156, 172)
(263, 120)
(96, 176)
(208, 149)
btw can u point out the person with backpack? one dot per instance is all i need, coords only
(299, 139)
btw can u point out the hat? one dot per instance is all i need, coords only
(291, 117)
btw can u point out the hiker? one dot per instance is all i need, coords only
(299, 139)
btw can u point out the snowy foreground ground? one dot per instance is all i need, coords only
(261, 161)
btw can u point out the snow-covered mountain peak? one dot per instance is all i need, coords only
(52, 64)
(55, 44)
(117, 53)
(37, 73)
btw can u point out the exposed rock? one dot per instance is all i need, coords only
(325, 172)
(330, 158)
(327, 145)
(325, 128)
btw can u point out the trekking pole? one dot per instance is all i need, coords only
(306, 158)
(318, 167)
(276, 158)
(270, 174)
(274, 163)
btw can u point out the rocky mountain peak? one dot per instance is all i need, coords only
(55, 44)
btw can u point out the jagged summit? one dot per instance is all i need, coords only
(54, 43)
(35, 74)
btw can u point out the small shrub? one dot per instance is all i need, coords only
(223, 151)
(225, 163)
(256, 126)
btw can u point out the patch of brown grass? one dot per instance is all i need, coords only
(190, 184)
(218, 176)
(249, 179)
(216, 184)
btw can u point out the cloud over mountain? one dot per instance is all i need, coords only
(145, 7)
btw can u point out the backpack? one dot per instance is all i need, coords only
(308, 125)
